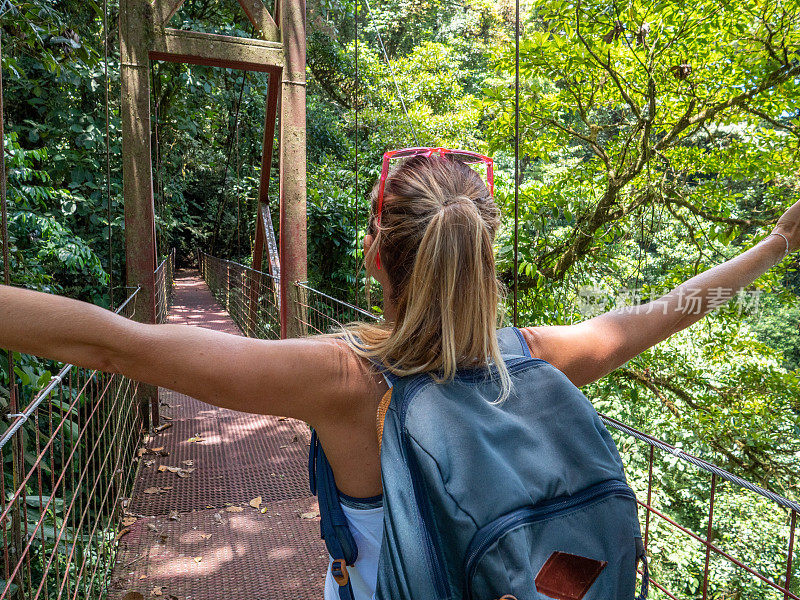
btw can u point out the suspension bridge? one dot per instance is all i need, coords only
(114, 489)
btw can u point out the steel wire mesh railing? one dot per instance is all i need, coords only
(68, 465)
(324, 314)
(731, 555)
(164, 287)
(250, 296)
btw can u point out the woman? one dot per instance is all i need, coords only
(430, 246)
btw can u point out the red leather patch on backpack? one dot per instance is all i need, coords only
(568, 576)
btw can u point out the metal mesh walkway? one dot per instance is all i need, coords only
(200, 532)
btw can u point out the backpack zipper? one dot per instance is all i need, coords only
(490, 533)
(432, 551)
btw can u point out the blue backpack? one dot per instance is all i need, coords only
(524, 500)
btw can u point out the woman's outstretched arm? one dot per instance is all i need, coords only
(587, 351)
(309, 379)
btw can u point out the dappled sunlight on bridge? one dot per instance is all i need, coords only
(221, 501)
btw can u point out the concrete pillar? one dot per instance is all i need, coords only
(293, 168)
(136, 30)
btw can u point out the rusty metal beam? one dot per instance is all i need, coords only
(164, 10)
(177, 45)
(136, 33)
(265, 235)
(261, 19)
(266, 167)
(293, 249)
(269, 242)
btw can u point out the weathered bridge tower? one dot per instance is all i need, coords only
(280, 51)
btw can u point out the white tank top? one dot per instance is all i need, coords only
(365, 518)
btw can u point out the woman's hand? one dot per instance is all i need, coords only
(789, 225)
(589, 350)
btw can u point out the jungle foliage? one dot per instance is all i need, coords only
(657, 139)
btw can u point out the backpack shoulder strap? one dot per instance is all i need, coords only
(512, 342)
(381, 416)
(333, 524)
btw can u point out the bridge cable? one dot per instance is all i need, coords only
(355, 104)
(516, 164)
(13, 407)
(4, 223)
(221, 208)
(108, 159)
(394, 78)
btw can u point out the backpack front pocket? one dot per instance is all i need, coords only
(569, 548)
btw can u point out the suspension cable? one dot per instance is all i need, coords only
(218, 220)
(108, 158)
(394, 79)
(238, 193)
(3, 207)
(355, 103)
(516, 163)
(12, 387)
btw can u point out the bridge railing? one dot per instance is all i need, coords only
(164, 286)
(708, 533)
(68, 449)
(251, 297)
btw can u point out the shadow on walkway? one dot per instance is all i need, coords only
(221, 507)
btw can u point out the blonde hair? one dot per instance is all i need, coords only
(435, 237)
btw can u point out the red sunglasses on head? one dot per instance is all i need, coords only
(463, 156)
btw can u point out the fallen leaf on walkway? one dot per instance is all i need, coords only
(152, 527)
(162, 427)
(149, 463)
(128, 521)
(283, 418)
(166, 417)
(234, 509)
(173, 515)
(153, 490)
(174, 469)
(142, 576)
(162, 468)
(188, 463)
(156, 591)
(205, 536)
(310, 515)
(196, 438)
(264, 511)
(160, 451)
(256, 502)
(198, 559)
(166, 487)
(123, 532)
(218, 518)
(133, 596)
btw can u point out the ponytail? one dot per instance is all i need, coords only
(436, 243)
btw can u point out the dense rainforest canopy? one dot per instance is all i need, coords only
(657, 139)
